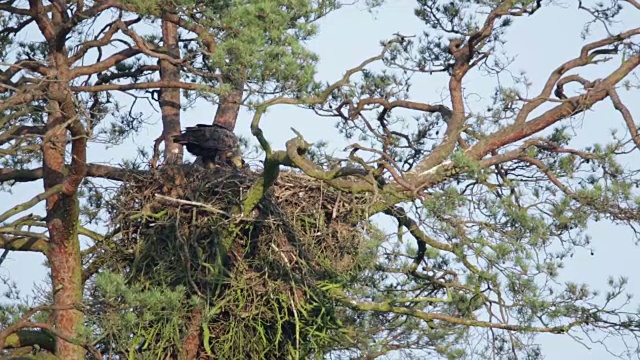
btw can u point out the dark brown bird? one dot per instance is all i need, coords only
(214, 144)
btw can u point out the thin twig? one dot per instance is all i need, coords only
(3, 257)
(193, 203)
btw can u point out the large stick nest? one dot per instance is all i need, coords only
(183, 226)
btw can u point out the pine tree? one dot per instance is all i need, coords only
(489, 200)
(64, 63)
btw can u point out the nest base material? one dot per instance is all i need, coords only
(181, 226)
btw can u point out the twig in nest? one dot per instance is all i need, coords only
(193, 203)
(334, 212)
(186, 260)
(156, 152)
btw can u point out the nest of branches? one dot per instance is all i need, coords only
(262, 274)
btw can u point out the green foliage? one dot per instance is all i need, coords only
(259, 282)
(487, 215)
(138, 321)
(259, 43)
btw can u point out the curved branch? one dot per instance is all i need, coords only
(426, 177)
(296, 146)
(105, 64)
(626, 116)
(293, 157)
(587, 54)
(559, 92)
(421, 238)
(39, 12)
(578, 104)
(25, 323)
(143, 47)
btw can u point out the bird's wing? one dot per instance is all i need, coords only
(196, 135)
(219, 138)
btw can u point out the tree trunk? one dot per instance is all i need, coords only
(65, 262)
(229, 105)
(63, 209)
(170, 98)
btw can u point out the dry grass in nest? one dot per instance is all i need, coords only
(178, 226)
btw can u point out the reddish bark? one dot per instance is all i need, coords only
(170, 97)
(192, 338)
(62, 208)
(63, 213)
(229, 106)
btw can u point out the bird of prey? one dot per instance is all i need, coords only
(214, 144)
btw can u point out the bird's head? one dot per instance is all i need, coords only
(235, 158)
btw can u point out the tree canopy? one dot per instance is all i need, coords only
(491, 188)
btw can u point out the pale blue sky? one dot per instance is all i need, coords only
(541, 43)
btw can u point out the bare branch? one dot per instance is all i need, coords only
(24, 243)
(587, 54)
(39, 13)
(145, 48)
(18, 131)
(193, 203)
(626, 115)
(146, 85)
(93, 170)
(105, 64)
(25, 96)
(31, 203)
(353, 112)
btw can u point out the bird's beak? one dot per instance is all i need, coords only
(236, 160)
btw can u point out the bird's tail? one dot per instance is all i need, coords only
(180, 139)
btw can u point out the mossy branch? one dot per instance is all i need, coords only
(90, 233)
(294, 157)
(297, 147)
(260, 187)
(22, 338)
(24, 243)
(274, 160)
(31, 203)
(271, 166)
(26, 336)
(389, 307)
